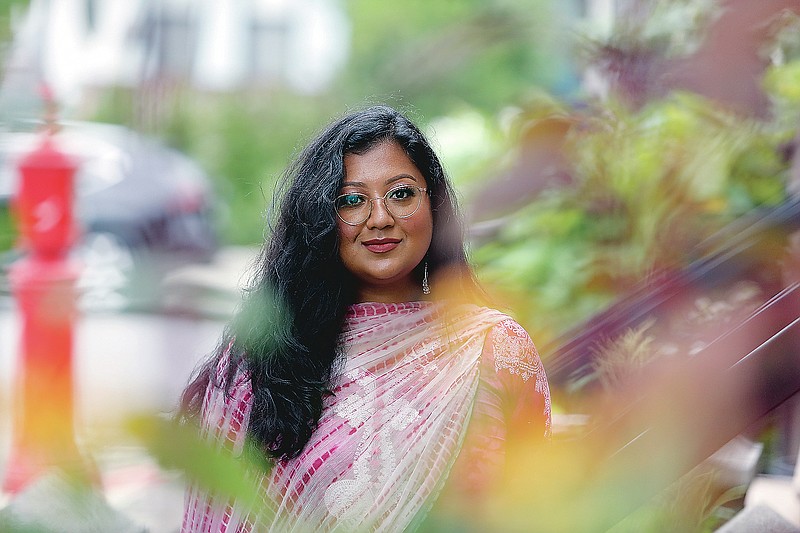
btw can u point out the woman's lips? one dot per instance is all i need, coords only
(380, 246)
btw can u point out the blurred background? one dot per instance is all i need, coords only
(628, 169)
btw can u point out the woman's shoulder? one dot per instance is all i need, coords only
(510, 348)
(503, 325)
(509, 330)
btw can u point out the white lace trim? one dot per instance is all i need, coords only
(514, 351)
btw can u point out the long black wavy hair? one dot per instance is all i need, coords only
(285, 334)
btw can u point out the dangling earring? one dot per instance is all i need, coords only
(426, 289)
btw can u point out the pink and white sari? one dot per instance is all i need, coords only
(416, 377)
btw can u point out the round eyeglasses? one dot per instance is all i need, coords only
(355, 208)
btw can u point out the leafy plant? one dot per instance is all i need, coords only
(617, 360)
(647, 186)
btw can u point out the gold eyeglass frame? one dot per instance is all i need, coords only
(372, 200)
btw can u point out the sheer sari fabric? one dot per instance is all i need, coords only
(389, 434)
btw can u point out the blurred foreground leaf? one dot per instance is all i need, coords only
(180, 447)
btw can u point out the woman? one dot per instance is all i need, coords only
(355, 362)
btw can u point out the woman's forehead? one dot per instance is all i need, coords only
(380, 166)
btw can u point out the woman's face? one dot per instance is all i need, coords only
(383, 250)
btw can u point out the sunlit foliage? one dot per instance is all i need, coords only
(647, 187)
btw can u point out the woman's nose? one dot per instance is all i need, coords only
(379, 216)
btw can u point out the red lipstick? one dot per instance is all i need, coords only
(380, 246)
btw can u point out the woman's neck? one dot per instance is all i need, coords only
(389, 295)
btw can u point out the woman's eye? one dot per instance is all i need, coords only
(402, 193)
(350, 200)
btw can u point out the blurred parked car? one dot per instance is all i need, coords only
(142, 209)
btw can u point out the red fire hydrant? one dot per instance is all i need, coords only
(43, 283)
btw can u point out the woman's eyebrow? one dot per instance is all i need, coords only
(399, 177)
